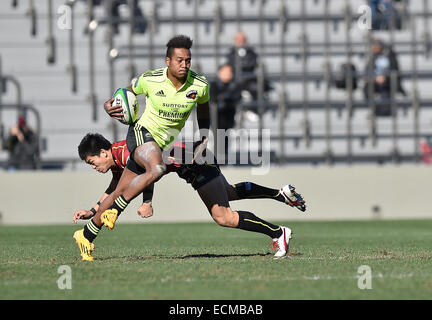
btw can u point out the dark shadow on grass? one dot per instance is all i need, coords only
(211, 255)
(189, 256)
(192, 256)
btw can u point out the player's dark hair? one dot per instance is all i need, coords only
(91, 145)
(179, 41)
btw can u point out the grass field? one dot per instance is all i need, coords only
(204, 261)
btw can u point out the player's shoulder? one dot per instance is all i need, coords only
(154, 74)
(119, 148)
(197, 78)
(118, 144)
(147, 78)
(120, 153)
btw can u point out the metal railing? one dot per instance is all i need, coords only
(302, 50)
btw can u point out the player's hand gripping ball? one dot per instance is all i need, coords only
(129, 103)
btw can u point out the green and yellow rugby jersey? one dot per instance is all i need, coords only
(167, 108)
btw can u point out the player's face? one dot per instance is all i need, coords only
(100, 163)
(179, 63)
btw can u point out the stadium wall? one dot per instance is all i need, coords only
(338, 193)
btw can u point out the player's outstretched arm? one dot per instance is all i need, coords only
(203, 116)
(82, 215)
(88, 214)
(146, 209)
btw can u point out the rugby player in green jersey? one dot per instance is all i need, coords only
(171, 94)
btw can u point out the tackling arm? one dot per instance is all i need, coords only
(146, 209)
(203, 116)
(88, 214)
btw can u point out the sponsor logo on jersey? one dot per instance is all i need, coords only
(174, 105)
(160, 93)
(173, 116)
(192, 94)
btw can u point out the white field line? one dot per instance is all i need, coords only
(377, 276)
(351, 257)
(315, 277)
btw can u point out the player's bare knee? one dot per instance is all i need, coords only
(161, 169)
(223, 216)
(157, 172)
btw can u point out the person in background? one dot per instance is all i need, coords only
(226, 94)
(113, 10)
(426, 152)
(244, 62)
(23, 147)
(379, 68)
(384, 14)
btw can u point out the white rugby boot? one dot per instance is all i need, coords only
(292, 198)
(281, 244)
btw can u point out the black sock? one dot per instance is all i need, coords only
(250, 190)
(120, 203)
(250, 222)
(91, 230)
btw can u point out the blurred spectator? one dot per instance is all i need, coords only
(22, 146)
(247, 58)
(244, 62)
(426, 152)
(113, 10)
(378, 69)
(140, 22)
(347, 71)
(226, 94)
(383, 11)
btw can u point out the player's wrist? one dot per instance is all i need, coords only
(93, 210)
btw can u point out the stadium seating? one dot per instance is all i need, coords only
(66, 115)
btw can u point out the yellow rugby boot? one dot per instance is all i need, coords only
(109, 217)
(85, 246)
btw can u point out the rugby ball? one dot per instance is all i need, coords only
(129, 103)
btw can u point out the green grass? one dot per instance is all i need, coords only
(205, 261)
